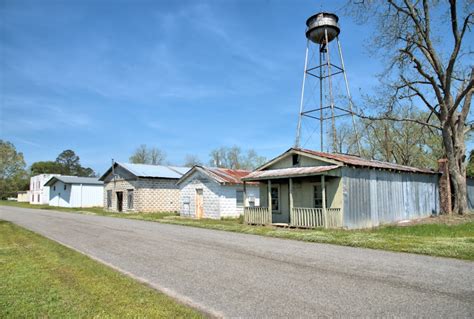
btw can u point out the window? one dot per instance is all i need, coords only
(296, 159)
(239, 195)
(38, 198)
(251, 200)
(109, 199)
(65, 186)
(54, 187)
(37, 185)
(318, 196)
(275, 199)
(130, 199)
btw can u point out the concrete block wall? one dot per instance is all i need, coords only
(157, 195)
(210, 188)
(118, 186)
(149, 195)
(218, 200)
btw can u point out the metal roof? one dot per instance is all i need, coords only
(358, 161)
(74, 180)
(220, 175)
(155, 171)
(289, 172)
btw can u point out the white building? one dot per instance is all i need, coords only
(23, 197)
(73, 191)
(39, 193)
(215, 192)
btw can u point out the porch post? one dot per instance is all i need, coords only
(269, 197)
(323, 188)
(291, 198)
(245, 195)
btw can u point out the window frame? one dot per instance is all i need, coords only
(314, 185)
(132, 193)
(277, 187)
(242, 204)
(109, 198)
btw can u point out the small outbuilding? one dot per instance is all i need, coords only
(23, 197)
(208, 192)
(74, 191)
(305, 188)
(142, 188)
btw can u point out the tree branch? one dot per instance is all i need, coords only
(395, 119)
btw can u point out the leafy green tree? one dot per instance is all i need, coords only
(470, 165)
(70, 164)
(46, 167)
(13, 176)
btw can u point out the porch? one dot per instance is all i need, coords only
(300, 217)
(308, 201)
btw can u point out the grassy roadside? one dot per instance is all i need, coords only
(40, 278)
(437, 239)
(455, 241)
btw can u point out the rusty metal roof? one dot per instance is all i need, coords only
(352, 160)
(289, 172)
(228, 176)
(220, 175)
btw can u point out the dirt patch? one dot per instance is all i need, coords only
(442, 219)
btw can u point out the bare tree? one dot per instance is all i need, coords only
(143, 155)
(428, 66)
(157, 156)
(191, 160)
(233, 158)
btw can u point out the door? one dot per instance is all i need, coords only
(199, 204)
(119, 201)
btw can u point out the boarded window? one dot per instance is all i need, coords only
(109, 199)
(275, 199)
(239, 195)
(130, 199)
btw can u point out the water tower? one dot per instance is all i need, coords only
(322, 29)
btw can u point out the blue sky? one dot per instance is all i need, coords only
(102, 77)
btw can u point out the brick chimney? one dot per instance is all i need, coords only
(444, 187)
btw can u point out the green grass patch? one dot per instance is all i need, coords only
(40, 278)
(455, 241)
(93, 211)
(437, 239)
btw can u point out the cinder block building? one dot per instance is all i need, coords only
(209, 192)
(142, 188)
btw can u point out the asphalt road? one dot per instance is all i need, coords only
(237, 275)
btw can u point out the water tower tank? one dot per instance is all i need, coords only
(320, 22)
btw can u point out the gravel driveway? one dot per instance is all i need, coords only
(237, 275)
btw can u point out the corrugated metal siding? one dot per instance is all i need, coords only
(470, 193)
(374, 197)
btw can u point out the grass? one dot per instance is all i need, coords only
(436, 239)
(40, 278)
(93, 211)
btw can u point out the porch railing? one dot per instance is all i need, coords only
(257, 216)
(316, 217)
(333, 218)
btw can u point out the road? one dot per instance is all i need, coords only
(237, 275)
